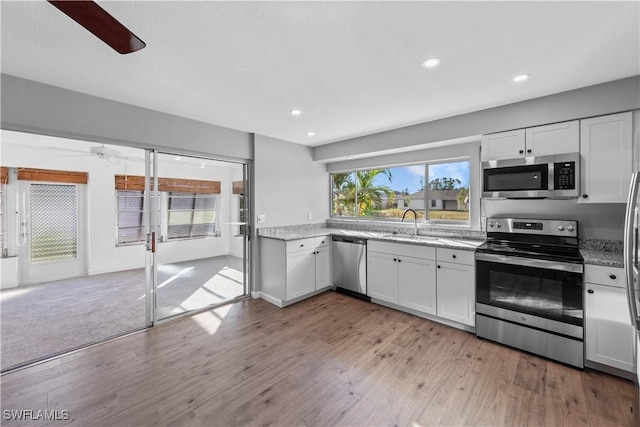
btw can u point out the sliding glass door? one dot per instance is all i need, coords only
(97, 241)
(197, 233)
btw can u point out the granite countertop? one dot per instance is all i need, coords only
(287, 234)
(602, 252)
(594, 251)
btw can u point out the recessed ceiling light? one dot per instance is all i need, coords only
(431, 62)
(178, 158)
(295, 112)
(311, 134)
(202, 165)
(521, 78)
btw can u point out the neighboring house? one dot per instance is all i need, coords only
(386, 203)
(438, 200)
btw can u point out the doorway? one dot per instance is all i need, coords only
(129, 239)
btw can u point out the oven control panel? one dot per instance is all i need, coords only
(533, 226)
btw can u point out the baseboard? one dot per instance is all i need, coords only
(272, 300)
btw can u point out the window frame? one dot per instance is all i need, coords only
(427, 200)
(163, 218)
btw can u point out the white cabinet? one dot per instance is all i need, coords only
(503, 145)
(402, 274)
(382, 275)
(606, 151)
(293, 269)
(436, 281)
(609, 335)
(557, 138)
(456, 285)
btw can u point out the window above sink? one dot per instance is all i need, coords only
(437, 191)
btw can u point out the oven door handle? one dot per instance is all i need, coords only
(530, 262)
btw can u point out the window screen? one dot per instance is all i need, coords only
(54, 222)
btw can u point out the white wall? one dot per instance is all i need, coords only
(289, 184)
(103, 254)
(29, 106)
(606, 98)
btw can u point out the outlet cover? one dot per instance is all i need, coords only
(310, 216)
(262, 218)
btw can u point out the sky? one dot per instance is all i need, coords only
(409, 176)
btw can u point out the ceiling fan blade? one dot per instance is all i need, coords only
(99, 22)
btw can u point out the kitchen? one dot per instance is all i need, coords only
(445, 138)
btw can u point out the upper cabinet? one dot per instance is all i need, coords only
(558, 138)
(607, 161)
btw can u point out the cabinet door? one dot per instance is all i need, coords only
(417, 284)
(503, 145)
(558, 138)
(300, 274)
(322, 267)
(382, 276)
(606, 149)
(609, 336)
(456, 292)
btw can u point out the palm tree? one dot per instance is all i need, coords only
(463, 198)
(343, 194)
(369, 195)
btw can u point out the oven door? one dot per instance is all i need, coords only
(539, 293)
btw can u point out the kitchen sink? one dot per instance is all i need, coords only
(410, 237)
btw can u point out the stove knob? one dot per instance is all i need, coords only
(491, 224)
(570, 228)
(561, 227)
(498, 224)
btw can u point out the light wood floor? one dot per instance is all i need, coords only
(329, 360)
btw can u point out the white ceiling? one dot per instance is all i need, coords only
(352, 68)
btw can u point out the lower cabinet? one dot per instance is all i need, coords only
(294, 269)
(456, 286)
(608, 334)
(402, 274)
(429, 280)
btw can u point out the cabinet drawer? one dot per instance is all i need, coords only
(415, 251)
(301, 245)
(605, 275)
(322, 241)
(456, 256)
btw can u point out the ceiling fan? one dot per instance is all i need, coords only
(101, 24)
(102, 152)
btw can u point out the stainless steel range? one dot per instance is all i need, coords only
(529, 287)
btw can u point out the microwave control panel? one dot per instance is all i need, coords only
(564, 176)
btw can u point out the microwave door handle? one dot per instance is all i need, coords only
(631, 248)
(550, 176)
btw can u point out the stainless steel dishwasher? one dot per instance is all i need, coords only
(349, 263)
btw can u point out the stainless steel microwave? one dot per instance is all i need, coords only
(544, 177)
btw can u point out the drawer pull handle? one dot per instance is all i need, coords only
(454, 256)
(302, 246)
(399, 260)
(395, 259)
(590, 291)
(612, 277)
(438, 266)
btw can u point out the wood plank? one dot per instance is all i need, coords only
(179, 185)
(50, 175)
(328, 360)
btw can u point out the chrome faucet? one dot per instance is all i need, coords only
(415, 220)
